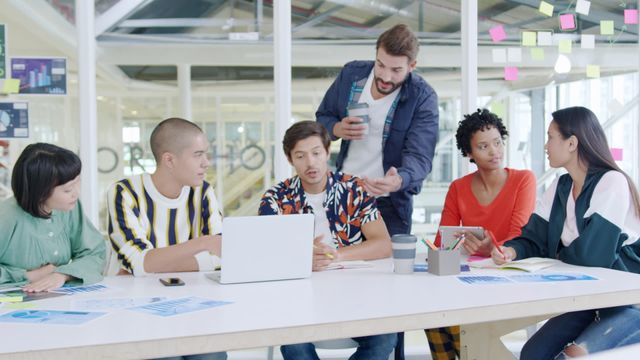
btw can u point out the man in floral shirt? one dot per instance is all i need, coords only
(348, 225)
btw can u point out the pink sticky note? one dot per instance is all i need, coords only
(616, 153)
(631, 16)
(567, 22)
(497, 33)
(511, 73)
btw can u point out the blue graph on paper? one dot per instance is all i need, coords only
(484, 279)
(49, 317)
(178, 306)
(551, 277)
(69, 290)
(539, 278)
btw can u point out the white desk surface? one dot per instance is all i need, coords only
(331, 304)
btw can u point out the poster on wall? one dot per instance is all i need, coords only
(3, 51)
(14, 119)
(40, 75)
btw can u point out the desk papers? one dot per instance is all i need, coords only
(354, 264)
(68, 290)
(529, 265)
(524, 278)
(115, 303)
(178, 306)
(49, 317)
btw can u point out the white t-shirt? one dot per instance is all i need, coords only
(321, 223)
(365, 156)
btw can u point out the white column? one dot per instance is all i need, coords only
(184, 87)
(469, 69)
(282, 81)
(636, 151)
(87, 107)
(120, 150)
(220, 161)
(266, 146)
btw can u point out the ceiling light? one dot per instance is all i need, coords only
(563, 64)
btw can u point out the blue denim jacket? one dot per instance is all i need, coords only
(409, 140)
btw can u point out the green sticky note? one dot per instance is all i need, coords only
(606, 27)
(537, 54)
(18, 306)
(498, 108)
(528, 38)
(593, 71)
(546, 8)
(11, 298)
(11, 86)
(564, 46)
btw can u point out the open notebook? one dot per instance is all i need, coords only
(529, 265)
(352, 264)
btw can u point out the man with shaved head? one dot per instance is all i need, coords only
(170, 220)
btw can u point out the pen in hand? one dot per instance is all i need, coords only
(496, 245)
(329, 255)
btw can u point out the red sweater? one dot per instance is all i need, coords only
(504, 216)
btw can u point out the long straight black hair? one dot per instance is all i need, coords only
(593, 148)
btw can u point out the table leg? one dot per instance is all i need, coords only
(482, 341)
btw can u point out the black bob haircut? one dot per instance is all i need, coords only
(39, 169)
(480, 120)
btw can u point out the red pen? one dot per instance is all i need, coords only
(495, 243)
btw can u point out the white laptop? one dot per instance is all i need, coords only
(265, 248)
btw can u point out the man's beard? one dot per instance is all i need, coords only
(392, 89)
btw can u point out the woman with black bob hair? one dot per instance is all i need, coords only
(45, 238)
(588, 217)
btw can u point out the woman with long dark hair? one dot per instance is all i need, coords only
(588, 217)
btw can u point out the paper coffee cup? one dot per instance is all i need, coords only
(404, 253)
(360, 110)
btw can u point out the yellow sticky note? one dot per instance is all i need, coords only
(564, 46)
(18, 306)
(10, 299)
(546, 8)
(606, 27)
(528, 38)
(11, 86)
(498, 108)
(593, 71)
(537, 54)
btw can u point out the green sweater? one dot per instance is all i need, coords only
(67, 240)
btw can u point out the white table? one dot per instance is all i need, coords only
(329, 305)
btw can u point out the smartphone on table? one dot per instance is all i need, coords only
(171, 281)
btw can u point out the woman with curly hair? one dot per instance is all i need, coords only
(498, 198)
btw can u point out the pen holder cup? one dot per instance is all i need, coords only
(444, 262)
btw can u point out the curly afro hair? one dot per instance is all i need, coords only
(480, 120)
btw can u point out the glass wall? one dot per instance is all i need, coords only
(233, 102)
